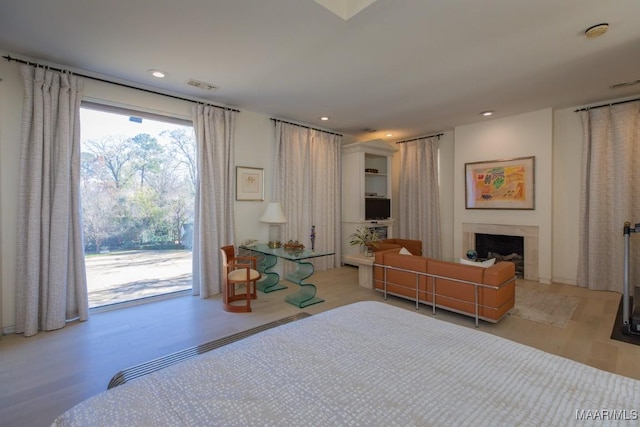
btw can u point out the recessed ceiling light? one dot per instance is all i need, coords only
(596, 30)
(158, 74)
(486, 113)
(388, 134)
(325, 118)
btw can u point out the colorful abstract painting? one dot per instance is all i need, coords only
(500, 184)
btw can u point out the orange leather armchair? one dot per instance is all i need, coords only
(413, 246)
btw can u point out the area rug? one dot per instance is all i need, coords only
(616, 331)
(544, 307)
(133, 372)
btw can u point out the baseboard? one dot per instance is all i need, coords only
(8, 330)
(565, 281)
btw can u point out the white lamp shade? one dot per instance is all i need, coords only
(273, 214)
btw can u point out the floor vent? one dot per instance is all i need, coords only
(155, 365)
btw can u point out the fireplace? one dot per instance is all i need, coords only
(528, 233)
(502, 248)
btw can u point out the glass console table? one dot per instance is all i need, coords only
(270, 280)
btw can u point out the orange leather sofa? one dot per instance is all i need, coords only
(448, 285)
(413, 246)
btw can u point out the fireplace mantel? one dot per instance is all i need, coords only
(528, 232)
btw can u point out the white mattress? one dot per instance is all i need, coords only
(367, 364)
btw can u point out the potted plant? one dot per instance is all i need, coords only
(365, 237)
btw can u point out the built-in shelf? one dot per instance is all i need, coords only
(357, 184)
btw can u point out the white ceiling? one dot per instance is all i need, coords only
(411, 67)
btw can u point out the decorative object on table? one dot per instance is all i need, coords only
(293, 246)
(249, 183)
(274, 216)
(500, 184)
(365, 237)
(313, 238)
(472, 254)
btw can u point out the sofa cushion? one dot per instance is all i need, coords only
(454, 270)
(487, 263)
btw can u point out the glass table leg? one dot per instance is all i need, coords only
(306, 295)
(270, 280)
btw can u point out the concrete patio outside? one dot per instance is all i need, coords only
(130, 275)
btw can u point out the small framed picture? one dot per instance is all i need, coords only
(249, 183)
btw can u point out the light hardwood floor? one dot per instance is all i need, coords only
(42, 376)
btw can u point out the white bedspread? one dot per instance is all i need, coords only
(368, 364)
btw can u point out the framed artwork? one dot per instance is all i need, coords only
(249, 183)
(500, 184)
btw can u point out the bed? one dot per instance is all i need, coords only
(367, 364)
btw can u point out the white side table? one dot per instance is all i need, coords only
(365, 268)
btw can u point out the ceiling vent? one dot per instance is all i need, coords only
(624, 84)
(201, 85)
(369, 130)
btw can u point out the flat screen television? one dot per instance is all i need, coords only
(377, 208)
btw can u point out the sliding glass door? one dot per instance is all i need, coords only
(137, 185)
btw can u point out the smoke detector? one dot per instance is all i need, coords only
(201, 85)
(596, 30)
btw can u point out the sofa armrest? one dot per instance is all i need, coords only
(499, 273)
(379, 254)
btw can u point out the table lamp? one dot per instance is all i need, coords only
(274, 216)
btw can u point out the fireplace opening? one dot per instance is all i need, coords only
(502, 248)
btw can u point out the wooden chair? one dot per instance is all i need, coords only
(238, 270)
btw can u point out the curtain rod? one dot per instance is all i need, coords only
(420, 137)
(306, 127)
(35, 64)
(606, 105)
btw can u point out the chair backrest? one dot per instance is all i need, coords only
(228, 255)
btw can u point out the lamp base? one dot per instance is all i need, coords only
(274, 236)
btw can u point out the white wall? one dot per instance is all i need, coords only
(253, 147)
(446, 149)
(524, 135)
(567, 175)
(10, 122)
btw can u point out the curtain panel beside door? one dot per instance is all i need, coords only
(51, 285)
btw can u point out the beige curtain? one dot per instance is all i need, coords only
(419, 216)
(307, 183)
(213, 223)
(51, 284)
(610, 194)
